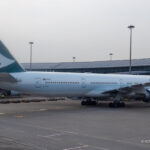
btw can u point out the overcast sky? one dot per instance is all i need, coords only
(86, 29)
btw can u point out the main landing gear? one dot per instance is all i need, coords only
(89, 102)
(116, 104)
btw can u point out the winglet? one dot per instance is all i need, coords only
(7, 62)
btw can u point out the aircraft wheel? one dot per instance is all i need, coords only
(83, 103)
(113, 105)
(116, 105)
(94, 103)
(122, 104)
(110, 105)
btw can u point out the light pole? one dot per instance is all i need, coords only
(110, 56)
(130, 62)
(31, 43)
(74, 58)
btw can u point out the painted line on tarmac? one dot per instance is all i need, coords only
(55, 138)
(43, 109)
(19, 116)
(14, 130)
(84, 135)
(49, 129)
(77, 147)
(56, 134)
(52, 135)
(100, 148)
(1, 113)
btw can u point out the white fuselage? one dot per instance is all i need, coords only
(71, 84)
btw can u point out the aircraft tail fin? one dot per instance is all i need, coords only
(8, 63)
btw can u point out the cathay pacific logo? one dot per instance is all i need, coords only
(4, 61)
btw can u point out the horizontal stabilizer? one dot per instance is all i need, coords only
(6, 77)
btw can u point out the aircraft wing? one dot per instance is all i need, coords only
(123, 91)
(6, 77)
(129, 89)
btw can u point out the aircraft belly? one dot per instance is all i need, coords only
(52, 90)
(101, 89)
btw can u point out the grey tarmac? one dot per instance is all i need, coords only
(66, 125)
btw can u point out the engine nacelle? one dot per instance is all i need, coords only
(142, 96)
(146, 96)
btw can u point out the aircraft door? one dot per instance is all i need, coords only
(38, 83)
(83, 82)
(46, 82)
(122, 83)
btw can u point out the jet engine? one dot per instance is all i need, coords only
(147, 96)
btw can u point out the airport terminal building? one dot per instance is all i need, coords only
(139, 66)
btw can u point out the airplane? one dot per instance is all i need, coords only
(86, 86)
